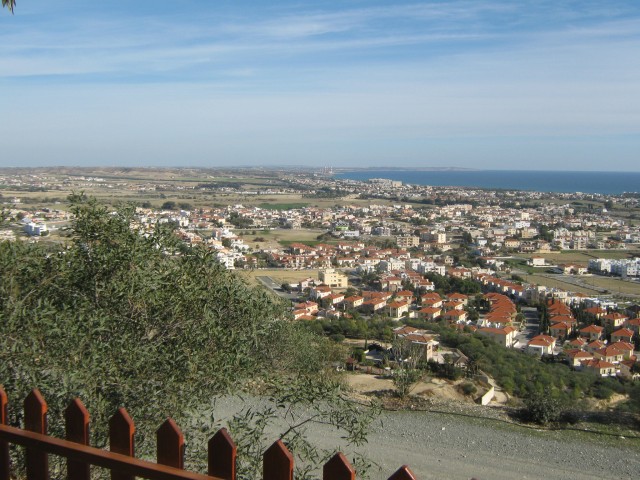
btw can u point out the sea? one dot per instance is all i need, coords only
(606, 183)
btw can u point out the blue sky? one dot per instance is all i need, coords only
(496, 84)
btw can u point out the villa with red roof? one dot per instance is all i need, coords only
(614, 319)
(576, 357)
(541, 345)
(625, 347)
(429, 313)
(592, 332)
(599, 367)
(405, 296)
(458, 297)
(595, 345)
(397, 309)
(633, 324)
(353, 302)
(455, 316)
(611, 354)
(334, 299)
(578, 343)
(504, 336)
(597, 312)
(320, 291)
(374, 304)
(560, 330)
(622, 335)
(431, 300)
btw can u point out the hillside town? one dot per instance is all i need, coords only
(340, 240)
(383, 258)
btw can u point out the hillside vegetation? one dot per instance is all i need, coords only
(123, 319)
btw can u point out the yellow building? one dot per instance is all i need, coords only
(333, 278)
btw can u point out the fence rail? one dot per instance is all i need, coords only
(278, 462)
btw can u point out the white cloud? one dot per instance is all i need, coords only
(365, 81)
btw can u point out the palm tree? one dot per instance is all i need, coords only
(9, 4)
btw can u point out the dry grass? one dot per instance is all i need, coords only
(272, 238)
(614, 285)
(558, 283)
(583, 257)
(279, 275)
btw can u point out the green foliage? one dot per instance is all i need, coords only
(358, 354)
(121, 319)
(10, 4)
(406, 373)
(469, 388)
(378, 328)
(524, 375)
(453, 284)
(545, 321)
(445, 370)
(239, 221)
(542, 407)
(602, 392)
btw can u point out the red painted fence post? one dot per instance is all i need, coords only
(338, 468)
(121, 431)
(222, 452)
(77, 430)
(4, 446)
(403, 473)
(170, 445)
(277, 463)
(35, 420)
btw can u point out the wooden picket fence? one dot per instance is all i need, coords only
(120, 460)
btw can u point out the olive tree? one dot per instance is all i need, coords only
(10, 4)
(406, 373)
(122, 317)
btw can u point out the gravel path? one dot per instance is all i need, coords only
(446, 446)
(438, 446)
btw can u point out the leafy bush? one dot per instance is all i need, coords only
(121, 319)
(522, 375)
(602, 392)
(469, 388)
(542, 407)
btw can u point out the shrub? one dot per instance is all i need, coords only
(469, 388)
(337, 337)
(121, 319)
(542, 408)
(602, 392)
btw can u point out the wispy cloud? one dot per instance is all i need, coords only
(338, 79)
(131, 47)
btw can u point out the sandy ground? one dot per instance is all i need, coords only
(363, 384)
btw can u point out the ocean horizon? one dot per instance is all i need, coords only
(606, 183)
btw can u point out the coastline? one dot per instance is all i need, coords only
(587, 182)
